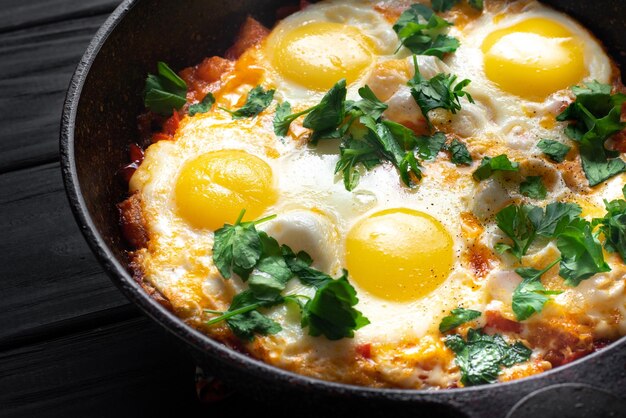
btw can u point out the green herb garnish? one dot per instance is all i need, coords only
(257, 101)
(554, 149)
(481, 357)
(422, 32)
(613, 226)
(165, 91)
(202, 107)
(438, 92)
(530, 295)
(581, 253)
(489, 165)
(596, 116)
(519, 224)
(459, 154)
(533, 187)
(267, 267)
(457, 317)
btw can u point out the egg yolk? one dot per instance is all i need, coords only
(534, 58)
(399, 254)
(212, 189)
(319, 54)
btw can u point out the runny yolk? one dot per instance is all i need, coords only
(212, 189)
(399, 254)
(534, 58)
(319, 54)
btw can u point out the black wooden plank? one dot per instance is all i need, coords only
(22, 14)
(35, 69)
(50, 281)
(130, 369)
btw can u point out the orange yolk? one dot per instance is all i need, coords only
(212, 189)
(319, 54)
(399, 254)
(534, 58)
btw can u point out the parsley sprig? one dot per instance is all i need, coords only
(458, 316)
(613, 226)
(257, 101)
(438, 92)
(596, 116)
(267, 267)
(530, 295)
(367, 140)
(481, 357)
(422, 32)
(581, 252)
(164, 91)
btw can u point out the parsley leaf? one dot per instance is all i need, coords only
(490, 165)
(325, 117)
(165, 91)
(237, 248)
(443, 5)
(613, 226)
(557, 216)
(438, 92)
(300, 266)
(459, 154)
(202, 107)
(518, 223)
(370, 104)
(243, 318)
(597, 116)
(554, 149)
(476, 4)
(533, 187)
(352, 153)
(257, 101)
(421, 31)
(581, 253)
(458, 317)
(331, 311)
(482, 356)
(271, 273)
(530, 295)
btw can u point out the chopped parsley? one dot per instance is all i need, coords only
(323, 119)
(202, 107)
(554, 149)
(581, 253)
(458, 316)
(481, 357)
(438, 92)
(423, 32)
(459, 154)
(533, 187)
(530, 295)
(489, 165)
(596, 116)
(257, 101)
(267, 267)
(519, 224)
(165, 91)
(613, 226)
(476, 4)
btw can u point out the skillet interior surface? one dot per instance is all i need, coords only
(99, 121)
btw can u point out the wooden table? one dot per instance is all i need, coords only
(71, 345)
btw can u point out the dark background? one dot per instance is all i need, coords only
(71, 345)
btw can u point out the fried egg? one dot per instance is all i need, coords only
(413, 254)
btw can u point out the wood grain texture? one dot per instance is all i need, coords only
(22, 14)
(50, 280)
(36, 65)
(130, 369)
